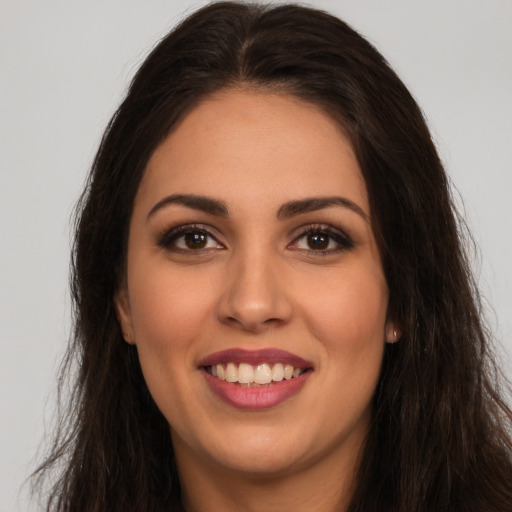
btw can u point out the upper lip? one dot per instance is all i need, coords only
(266, 355)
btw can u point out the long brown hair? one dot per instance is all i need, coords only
(440, 437)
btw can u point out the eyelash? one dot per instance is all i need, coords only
(168, 238)
(343, 241)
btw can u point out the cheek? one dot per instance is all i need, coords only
(168, 311)
(348, 319)
(350, 313)
(350, 323)
(167, 307)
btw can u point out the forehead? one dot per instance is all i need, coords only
(255, 147)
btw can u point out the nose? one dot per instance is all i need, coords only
(254, 297)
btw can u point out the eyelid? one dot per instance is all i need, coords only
(337, 234)
(167, 236)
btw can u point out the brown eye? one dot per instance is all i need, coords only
(322, 240)
(188, 239)
(195, 240)
(318, 241)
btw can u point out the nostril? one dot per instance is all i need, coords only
(254, 305)
(272, 320)
(252, 324)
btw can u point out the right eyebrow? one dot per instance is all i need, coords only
(202, 203)
(313, 204)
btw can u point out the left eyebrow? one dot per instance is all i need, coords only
(313, 204)
(202, 203)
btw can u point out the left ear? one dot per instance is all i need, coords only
(124, 315)
(393, 332)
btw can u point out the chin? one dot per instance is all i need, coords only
(261, 451)
(263, 463)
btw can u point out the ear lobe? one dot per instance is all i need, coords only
(393, 332)
(124, 314)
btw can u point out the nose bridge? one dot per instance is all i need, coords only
(253, 297)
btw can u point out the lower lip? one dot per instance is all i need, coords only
(256, 398)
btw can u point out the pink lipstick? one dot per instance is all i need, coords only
(270, 355)
(255, 379)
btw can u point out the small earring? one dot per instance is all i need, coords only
(393, 337)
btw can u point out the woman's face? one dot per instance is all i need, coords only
(254, 289)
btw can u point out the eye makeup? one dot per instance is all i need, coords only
(321, 240)
(188, 238)
(313, 239)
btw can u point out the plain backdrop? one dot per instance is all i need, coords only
(64, 66)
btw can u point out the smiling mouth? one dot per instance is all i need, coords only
(255, 379)
(257, 375)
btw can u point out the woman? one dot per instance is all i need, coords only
(273, 307)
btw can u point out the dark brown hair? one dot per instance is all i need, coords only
(440, 437)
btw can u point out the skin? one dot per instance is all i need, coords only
(258, 284)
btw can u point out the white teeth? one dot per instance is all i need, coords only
(245, 373)
(288, 371)
(263, 374)
(231, 373)
(278, 372)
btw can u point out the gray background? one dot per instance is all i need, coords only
(63, 68)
